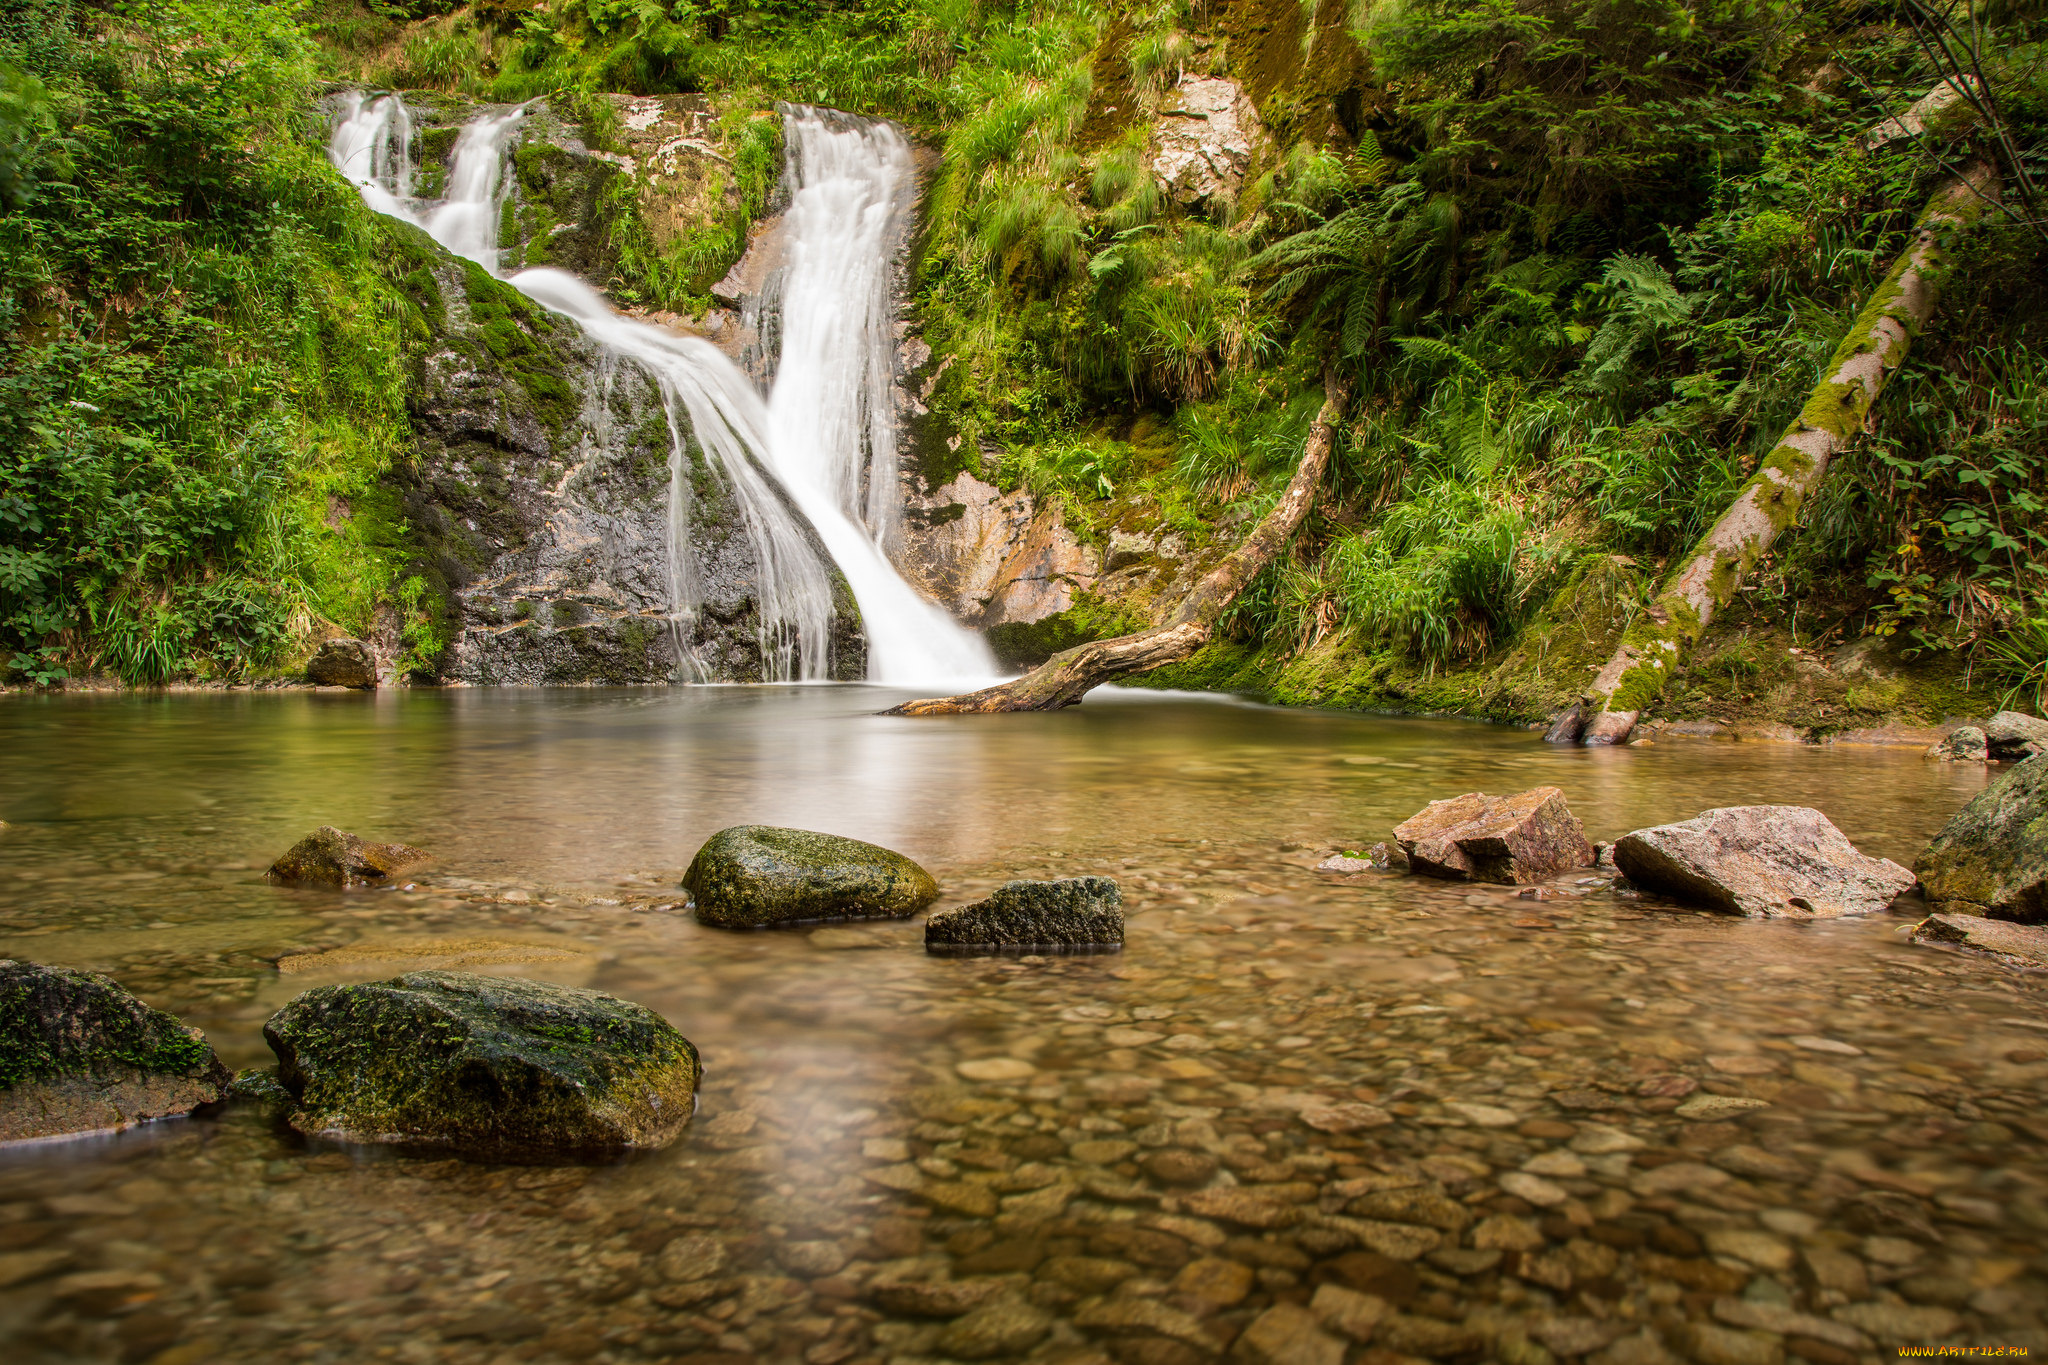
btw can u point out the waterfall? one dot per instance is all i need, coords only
(831, 410)
(827, 430)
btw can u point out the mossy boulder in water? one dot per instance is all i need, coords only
(484, 1065)
(333, 857)
(1077, 913)
(1991, 858)
(751, 876)
(78, 1054)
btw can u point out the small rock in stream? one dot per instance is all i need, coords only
(1770, 862)
(333, 857)
(489, 1066)
(1513, 839)
(2016, 945)
(1964, 744)
(1077, 913)
(2012, 736)
(1378, 857)
(78, 1054)
(1991, 858)
(752, 876)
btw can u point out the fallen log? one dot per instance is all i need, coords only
(1657, 642)
(1066, 677)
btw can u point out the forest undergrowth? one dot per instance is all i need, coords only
(1584, 259)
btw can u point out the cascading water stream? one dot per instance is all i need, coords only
(705, 394)
(831, 410)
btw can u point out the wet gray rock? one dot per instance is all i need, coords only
(1526, 837)
(343, 663)
(1377, 858)
(1774, 862)
(78, 1054)
(1964, 744)
(488, 1066)
(752, 876)
(2016, 945)
(333, 857)
(1077, 913)
(2013, 737)
(1991, 858)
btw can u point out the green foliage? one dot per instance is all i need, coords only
(1583, 261)
(198, 355)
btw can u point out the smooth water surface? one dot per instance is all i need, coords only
(1144, 1156)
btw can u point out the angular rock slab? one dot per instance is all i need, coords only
(1765, 862)
(751, 876)
(343, 663)
(1991, 858)
(488, 1066)
(333, 857)
(80, 1055)
(1475, 837)
(1074, 915)
(2016, 945)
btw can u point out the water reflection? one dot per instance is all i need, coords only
(1608, 1127)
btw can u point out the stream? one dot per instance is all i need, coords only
(1131, 1156)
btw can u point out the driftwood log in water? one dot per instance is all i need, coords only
(1658, 640)
(1066, 677)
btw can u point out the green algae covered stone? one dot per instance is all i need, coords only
(751, 876)
(1078, 914)
(489, 1066)
(1991, 858)
(80, 1055)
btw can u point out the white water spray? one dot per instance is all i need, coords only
(827, 432)
(831, 411)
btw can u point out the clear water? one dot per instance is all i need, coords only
(872, 1115)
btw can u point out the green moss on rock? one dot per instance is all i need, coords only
(80, 1054)
(516, 332)
(487, 1066)
(752, 876)
(1078, 913)
(1991, 858)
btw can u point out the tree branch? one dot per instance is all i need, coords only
(1066, 677)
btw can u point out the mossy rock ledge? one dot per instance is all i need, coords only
(1078, 914)
(1991, 858)
(491, 1067)
(80, 1055)
(753, 876)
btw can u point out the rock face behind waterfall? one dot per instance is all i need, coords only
(539, 487)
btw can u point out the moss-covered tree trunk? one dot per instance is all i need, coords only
(1658, 640)
(1066, 677)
